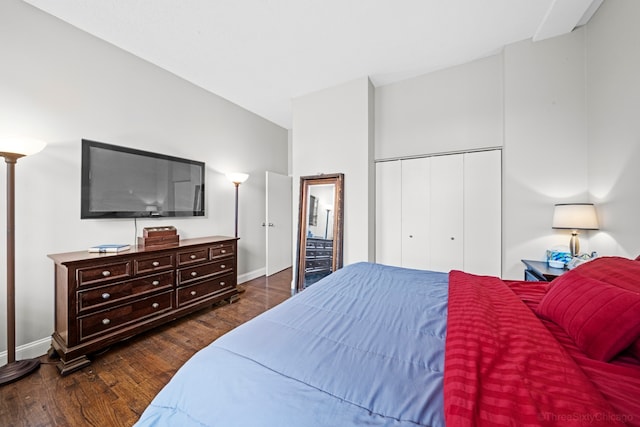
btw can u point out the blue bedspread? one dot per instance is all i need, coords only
(364, 346)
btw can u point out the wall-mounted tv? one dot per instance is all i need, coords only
(121, 182)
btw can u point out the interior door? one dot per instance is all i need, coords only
(278, 222)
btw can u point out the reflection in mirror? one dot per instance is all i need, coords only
(319, 228)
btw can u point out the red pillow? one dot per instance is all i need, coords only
(602, 318)
(617, 271)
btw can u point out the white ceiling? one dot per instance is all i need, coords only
(260, 54)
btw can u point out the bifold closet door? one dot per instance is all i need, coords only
(415, 213)
(440, 213)
(446, 210)
(388, 213)
(483, 213)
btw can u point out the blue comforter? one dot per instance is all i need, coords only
(364, 346)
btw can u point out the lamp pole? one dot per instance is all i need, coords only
(13, 370)
(237, 184)
(237, 178)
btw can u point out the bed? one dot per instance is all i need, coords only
(374, 345)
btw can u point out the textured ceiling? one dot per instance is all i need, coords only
(260, 54)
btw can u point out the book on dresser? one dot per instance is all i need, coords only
(110, 247)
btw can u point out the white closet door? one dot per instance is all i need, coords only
(446, 208)
(388, 215)
(482, 218)
(415, 213)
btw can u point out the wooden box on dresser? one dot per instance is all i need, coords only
(105, 298)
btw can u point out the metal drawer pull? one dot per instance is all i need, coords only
(106, 273)
(155, 305)
(222, 266)
(193, 293)
(193, 256)
(106, 295)
(194, 273)
(155, 263)
(106, 321)
(155, 282)
(222, 283)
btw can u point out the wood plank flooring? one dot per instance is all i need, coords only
(119, 384)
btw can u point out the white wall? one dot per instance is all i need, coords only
(456, 109)
(332, 134)
(61, 84)
(545, 153)
(613, 91)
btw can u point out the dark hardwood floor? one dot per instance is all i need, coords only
(119, 384)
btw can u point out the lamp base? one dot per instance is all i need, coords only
(574, 244)
(16, 370)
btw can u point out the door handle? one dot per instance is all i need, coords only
(265, 224)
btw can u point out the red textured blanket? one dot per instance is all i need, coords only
(503, 367)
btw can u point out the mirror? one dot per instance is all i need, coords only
(319, 228)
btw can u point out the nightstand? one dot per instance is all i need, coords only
(539, 271)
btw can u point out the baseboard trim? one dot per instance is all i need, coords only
(29, 351)
(251, 275)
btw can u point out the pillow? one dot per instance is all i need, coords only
(618, 271)
(602, 319)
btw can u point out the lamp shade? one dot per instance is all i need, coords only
(21, 146)
(237, 177)
(575, 216)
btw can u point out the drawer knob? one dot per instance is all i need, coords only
(223, 251)
(155, 305)
(106, 321)
(222, 266)
(194, 273)
(106, 295)
(193, 256)
(222, 283)
(106, 273)
(155, 282)
(155, 263)
(193, 293)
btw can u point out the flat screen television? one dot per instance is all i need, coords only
(121, 182)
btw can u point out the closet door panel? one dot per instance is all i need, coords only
(415, 213)
(388, 214)
(482, 212)
(446, 212)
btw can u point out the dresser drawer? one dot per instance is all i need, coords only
(102, 296)
(203, 271)
(193, 293)
(149, 265)
(107, 320)
(103, 273)
(219, 251)
(194, 256)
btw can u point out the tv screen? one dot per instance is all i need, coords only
(120, 182)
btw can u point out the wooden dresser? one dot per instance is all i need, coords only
(101, 299)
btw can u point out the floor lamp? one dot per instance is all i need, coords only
(12, 149)
(237, 178)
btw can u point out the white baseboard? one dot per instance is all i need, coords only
(251, 275)
(38, 348)
(29, 351)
